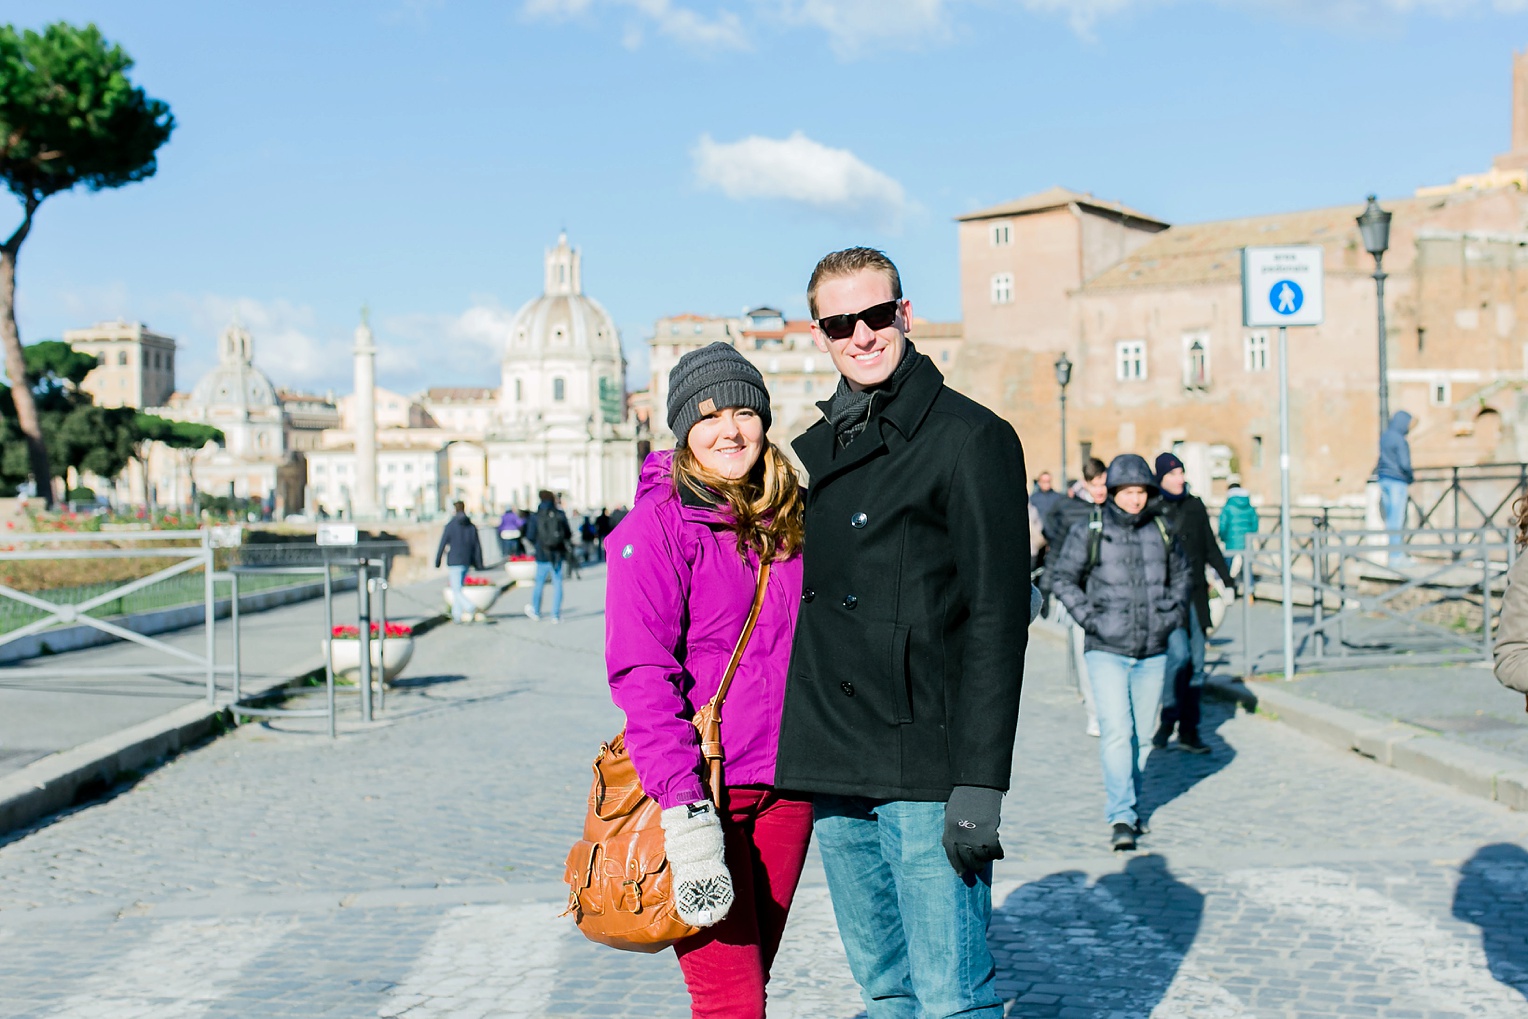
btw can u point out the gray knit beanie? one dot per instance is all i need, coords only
(711, 379)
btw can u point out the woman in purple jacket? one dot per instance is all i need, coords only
(683, 570)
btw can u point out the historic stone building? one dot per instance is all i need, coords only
(137, 365)
(558, 420)
(1150, 315)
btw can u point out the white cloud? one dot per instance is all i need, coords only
(851, 24)
(800, 170)
(290, 347)
(723, 30)
(463, 349)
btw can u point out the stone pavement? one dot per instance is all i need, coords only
(412, 869)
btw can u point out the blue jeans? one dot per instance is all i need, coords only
(461, 608)
(1184, 647)
(1393, 499)
(1128, 693)
(544, 570)
(915, 931)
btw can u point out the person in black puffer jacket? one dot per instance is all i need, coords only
(1128, 589)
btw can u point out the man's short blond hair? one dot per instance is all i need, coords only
(848, 262)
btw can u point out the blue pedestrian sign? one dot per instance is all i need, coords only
(1282, 286)
(1286, 297)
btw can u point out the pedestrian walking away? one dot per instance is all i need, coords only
(548, 531)
(1395, 476)
(510, 525)
(1125, 581)
(1064, 515)
(1238, 518)
(462, 550)
(1183, 682)
(603, 524)
(904, 687)
(681, 586)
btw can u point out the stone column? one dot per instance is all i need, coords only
(364, 497)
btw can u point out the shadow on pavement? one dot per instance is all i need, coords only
(1112, 947)
(422, 682)
(1493, 895)
(1172, 772)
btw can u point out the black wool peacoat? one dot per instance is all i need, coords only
(909, 650)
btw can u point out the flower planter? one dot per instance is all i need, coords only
(480, 596)
(389, 654)
(521, 571)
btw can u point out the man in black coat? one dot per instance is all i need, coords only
(463, 551)
(1190, 523)
(903, 695)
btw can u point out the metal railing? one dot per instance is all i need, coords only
(371, 562)
(1428, 598)
(186, 551)
(1480, 495)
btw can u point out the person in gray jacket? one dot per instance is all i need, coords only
(1126, 582)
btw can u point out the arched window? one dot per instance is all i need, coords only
(559, 390)
(122, 357)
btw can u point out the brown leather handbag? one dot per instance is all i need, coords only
(620, 890)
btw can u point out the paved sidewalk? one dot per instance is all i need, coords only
(412, 869)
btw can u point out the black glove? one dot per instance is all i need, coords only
(970, 827)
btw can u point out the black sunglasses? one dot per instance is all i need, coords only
(841, 327)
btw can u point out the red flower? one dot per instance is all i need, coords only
(354, 632)
(521, 559)
(476, 582)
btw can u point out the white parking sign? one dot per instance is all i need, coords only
(1282, 286)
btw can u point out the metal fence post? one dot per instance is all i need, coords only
(1318, 591)
(210, 594)
(329, 642)
(238, 675)
(363, 592)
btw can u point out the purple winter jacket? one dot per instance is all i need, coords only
(677, 586)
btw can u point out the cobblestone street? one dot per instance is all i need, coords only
(412, 869)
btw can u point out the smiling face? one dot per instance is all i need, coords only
(1131, 498)
(868, 357)
(729, 442)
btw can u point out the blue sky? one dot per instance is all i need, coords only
(419, 155)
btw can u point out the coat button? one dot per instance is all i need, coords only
(847, 688)
(850, 601)
(858, 520)
(808, 594)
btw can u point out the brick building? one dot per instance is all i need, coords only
(1150, 314)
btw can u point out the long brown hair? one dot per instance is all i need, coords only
(764, 509)
(1520, 508)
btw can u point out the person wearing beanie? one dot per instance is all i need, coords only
(903, 698)
(683, 567)
(1125, 580)
(1189, 522)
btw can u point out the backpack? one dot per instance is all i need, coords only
(551, 530)
(1096, 542)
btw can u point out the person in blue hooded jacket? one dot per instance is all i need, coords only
(1395, 476)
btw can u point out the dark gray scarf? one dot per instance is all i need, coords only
(848, 411)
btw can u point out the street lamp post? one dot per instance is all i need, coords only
(1374, 225)
(1063, 368)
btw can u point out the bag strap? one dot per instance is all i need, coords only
(742, 640)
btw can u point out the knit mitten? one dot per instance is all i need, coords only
(692, 838)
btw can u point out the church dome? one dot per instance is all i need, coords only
(563, 322)
(235, 383)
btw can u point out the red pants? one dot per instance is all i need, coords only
(726, 966)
